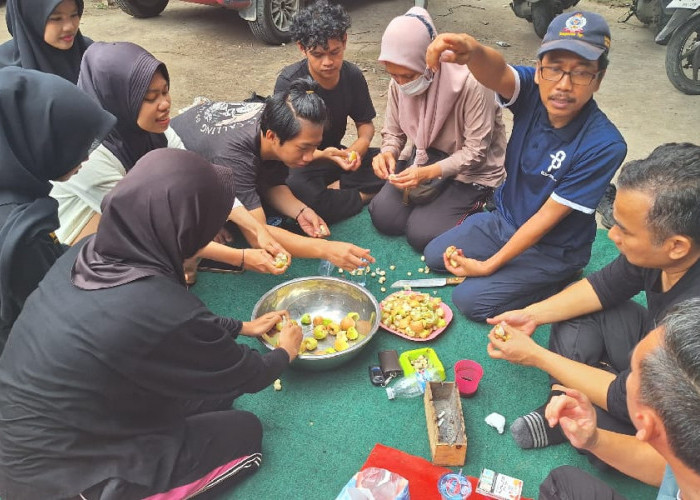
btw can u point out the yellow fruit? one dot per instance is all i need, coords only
(352, 333)
(281, 260)
(310, 343)
(318, 320)
(320, 332)
(352, 156)
(306, 319)
(341, 344)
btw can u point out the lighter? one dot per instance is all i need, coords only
(375, 375)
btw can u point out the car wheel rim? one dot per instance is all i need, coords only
(282, 11)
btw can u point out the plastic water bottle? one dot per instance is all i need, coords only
(414, 385)
(359, 275)
(325, 268)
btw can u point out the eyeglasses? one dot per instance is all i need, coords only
(577, 77)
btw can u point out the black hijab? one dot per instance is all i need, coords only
(26, 22)
(47, 127)
(169, 206)
(118, 75)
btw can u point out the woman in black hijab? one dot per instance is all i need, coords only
(47, 127)
(128, 393)
(45, 37)
(129, 82)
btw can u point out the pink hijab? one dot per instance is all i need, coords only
(421, 117)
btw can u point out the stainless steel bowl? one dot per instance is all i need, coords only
(331, 298)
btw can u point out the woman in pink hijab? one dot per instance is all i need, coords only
(438, 126)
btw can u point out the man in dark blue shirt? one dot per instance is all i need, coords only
(562, 153)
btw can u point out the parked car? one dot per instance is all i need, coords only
(269, 20)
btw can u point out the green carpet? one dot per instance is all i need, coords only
(321, 427)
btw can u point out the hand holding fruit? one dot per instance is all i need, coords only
(290, 339)
(263, 324)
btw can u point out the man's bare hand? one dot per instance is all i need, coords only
(312, 224)
(348, 256)
(259, 260)
(575, 414)
(268, 243)
(518, 347)
(518, 319)
(347, 160)
(451, 48)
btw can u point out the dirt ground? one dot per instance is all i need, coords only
(211, 52)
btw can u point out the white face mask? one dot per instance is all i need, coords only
(417, 86)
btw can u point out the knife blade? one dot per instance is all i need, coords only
(428, 282)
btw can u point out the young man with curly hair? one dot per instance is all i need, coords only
(339, 180)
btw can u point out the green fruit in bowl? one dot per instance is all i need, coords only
(320, 332)
(352, 333)
(311, 343)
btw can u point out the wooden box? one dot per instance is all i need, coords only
(448, 441)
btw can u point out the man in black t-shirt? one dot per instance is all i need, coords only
(339, 180)
(595, 324)
(261, 144)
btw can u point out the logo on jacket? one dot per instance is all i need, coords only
(557, 160)
(220, 117)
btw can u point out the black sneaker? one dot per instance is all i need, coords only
(605, 207)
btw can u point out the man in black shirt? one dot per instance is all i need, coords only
(261, 144)
(339, 180)
(595, 325)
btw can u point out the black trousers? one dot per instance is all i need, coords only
(310, 185)
(605, 340)
(570, 483)
(422, 223)
(212, 439)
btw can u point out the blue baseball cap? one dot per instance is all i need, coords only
(583, 33)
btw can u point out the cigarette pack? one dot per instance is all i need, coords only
(495, 485)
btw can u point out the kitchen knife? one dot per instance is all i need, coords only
(428, 282)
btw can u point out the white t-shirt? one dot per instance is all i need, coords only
(80, 197)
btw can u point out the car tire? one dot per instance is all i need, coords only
(142, 8)
(273, 18)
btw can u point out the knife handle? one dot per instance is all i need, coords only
(455, 280)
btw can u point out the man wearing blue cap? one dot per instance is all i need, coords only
(562, 153)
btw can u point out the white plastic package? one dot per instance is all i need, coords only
(375, 484)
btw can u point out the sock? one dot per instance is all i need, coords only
(533, 431)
